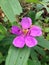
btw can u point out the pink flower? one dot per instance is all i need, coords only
(26, 34)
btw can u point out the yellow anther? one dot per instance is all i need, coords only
(25, 31)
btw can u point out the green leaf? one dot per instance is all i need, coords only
(16, 6)
(6, 7)
(11, 8)
(1, 37)
(34, 1)
(40, 50)
(3, 30)
(7, 40)
(45, 0)
(39, 7)
(34, 62)
(34, 57)
(5, 19)
(1, 58)
(34, 54)
(32, 15)
(45, 5)
(47, 8)
(47, 37)
(39, 14)
(46, 20)
(45, 59)
(30, 62)
(17, 56)
(46, 29)
(43, 42)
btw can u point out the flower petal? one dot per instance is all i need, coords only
(26, 22)
(19, 42)
(30, 41)
(36, 31)
(16, 30)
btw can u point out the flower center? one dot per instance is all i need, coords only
(25, 31)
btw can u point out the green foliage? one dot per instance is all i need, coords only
(46, 20)
(38, 14)
(17, 56)
(3, 30)
(43, 42)
(34, 55)
(47, 37)
(46, 29)
(11, 8)
(40, 50)
(1, 37)
(45, 5)
(7, 40)
(32, 15)
(34, 1)
(34, 58)
(1, 58)
(45, 0)
(34, 62)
